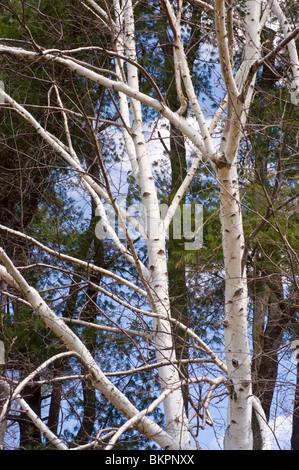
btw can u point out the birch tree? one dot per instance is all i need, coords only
(236, 32)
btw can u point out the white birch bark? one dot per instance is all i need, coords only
(175, 416)
(292, 49)
(238, 434)
(239, 431)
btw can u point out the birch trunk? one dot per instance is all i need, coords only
(239, 430)
(238, 434)
(175, 415)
